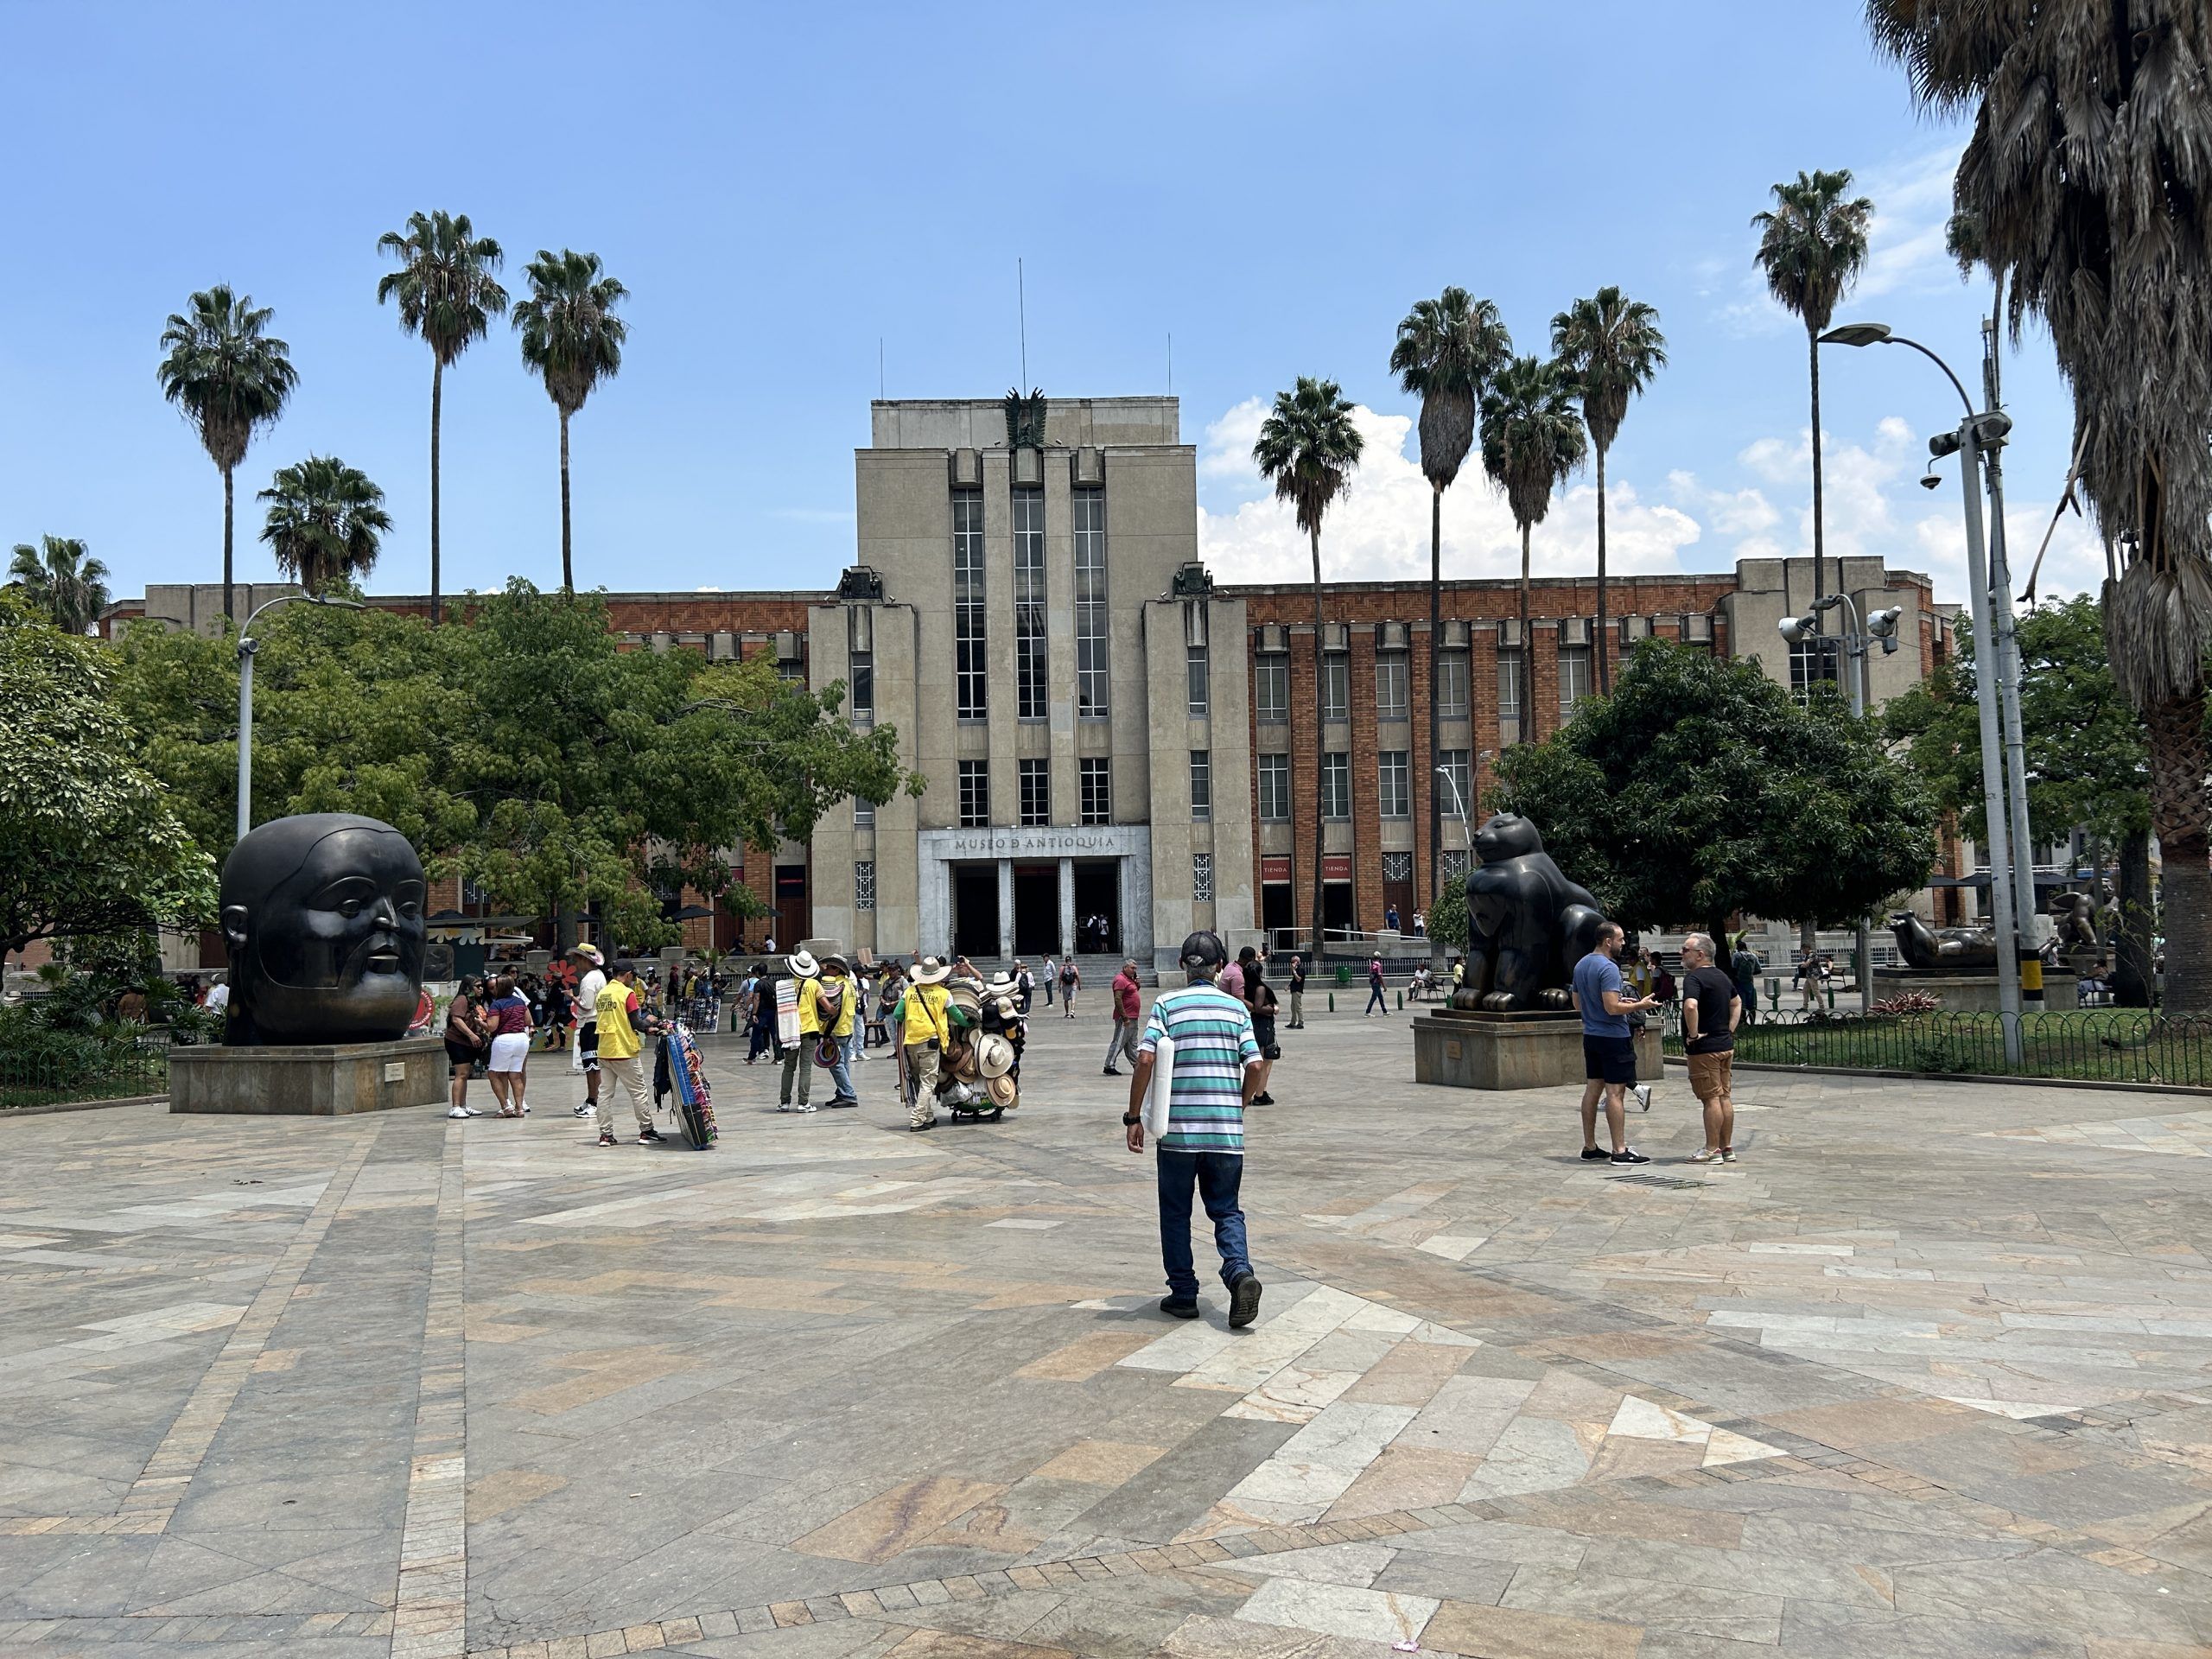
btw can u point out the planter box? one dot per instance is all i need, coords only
(1969, 993)
(322, 1080)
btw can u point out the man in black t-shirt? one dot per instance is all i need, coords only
(1297, 993)
(1711, 1007)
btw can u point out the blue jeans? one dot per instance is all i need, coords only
(841, 1070)
(1375, 996)
(1218, 1175)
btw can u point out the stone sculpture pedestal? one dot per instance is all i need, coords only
(1473, 1050)
(319, 1080)
(1970, 992)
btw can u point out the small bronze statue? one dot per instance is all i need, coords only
(1527, 924)
(323, 915)
(1944, 949)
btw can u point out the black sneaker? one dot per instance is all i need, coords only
(1263, 1098)
(1590, 1154)
(1180, 1307)
(1243, 1301)
(1632, 1156)
(1111, 1072)
(842, 1103)
(647, 1135)
(916, 1128)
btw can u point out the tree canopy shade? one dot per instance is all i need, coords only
(2087, 182)
(227, 375)
(1308, 445)
(60, 582)
(571, 340)
(447, 296)
(1701, 787)
(1812, 242)
(1532, 443)
(325, 522)
(524, 751)
(1611, 347)
(1446, 351)
(88, 844)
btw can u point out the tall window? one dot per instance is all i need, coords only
(1194, 657)
(1458, 783)
(1202, 878)
(975, 794)
(1390, 685)
(1090, 602)
(863, 683)
(1271, 688)
(1032, 691)
(1392, 768)
(1336, 785)
(971, 674)
(1036, 793)
(1274, 788)
(864, 884)
(1812, 661)
(1508, 685)
(1201, 784)
(1335, 685)
(1098, 789)
(1573, 676)
(1452, 684)
(863, 814)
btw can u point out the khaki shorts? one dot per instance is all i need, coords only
(1710, 1075)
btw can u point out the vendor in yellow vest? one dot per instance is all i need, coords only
(837, 1005)
(798, 1057)
(927, 1029)
(621, 1017)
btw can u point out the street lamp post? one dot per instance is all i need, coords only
(2006, 837)
(247, 646)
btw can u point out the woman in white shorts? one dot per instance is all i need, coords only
(509, 1012)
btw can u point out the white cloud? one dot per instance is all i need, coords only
(1379, 530)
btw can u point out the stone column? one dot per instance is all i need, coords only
(1006, 909)
(1067, 905)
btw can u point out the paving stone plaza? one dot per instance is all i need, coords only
(1925, 1373)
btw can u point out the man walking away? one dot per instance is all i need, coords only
(1711, 1010)
(1608, 1047)
(1129, 1018)
(622, 1017)
(837, 1000)
(1743, 968)
(588, 990)
(1375, 1000)
(927, 1030)
(1298, 994)
(1216, 1074)
(798, 1057)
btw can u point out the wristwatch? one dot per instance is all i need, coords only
(1132, 1118)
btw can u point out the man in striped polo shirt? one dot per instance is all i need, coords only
(1214, 1073)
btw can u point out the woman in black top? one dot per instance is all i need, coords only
(1260, 998)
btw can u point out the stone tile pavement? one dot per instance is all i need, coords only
(1926, 1372)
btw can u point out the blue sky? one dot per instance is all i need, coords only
(781, 189)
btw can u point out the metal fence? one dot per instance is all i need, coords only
(61, 1076)
(2102, 1044)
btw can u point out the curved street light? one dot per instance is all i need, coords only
(247, 646)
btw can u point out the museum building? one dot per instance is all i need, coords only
(1119, 750)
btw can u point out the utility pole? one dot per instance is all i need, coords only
(2032, 922)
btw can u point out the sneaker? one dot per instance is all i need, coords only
(1263, 1098)
(843, 1102)
(1630, 1156)
(1728, 1154)
(606, 1137)
(581, 1111)
(1112, 1072)
(785, 1106)
(648, 1135)
(525, 1108)
(458, 1111)
(916, 1128)
(1243, 1301)
(471, 1111)
(1180, 1307)
(1705, 1155)
(1643, 1093)
(1591, 1154)
(804, 1107)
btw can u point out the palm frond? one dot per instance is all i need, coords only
(224, 371)
(1308, 447)
(444, 286)
(1446, 351)
(571, 338)
(1532, 437)
(326, 521)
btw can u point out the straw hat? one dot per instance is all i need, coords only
(589, 953)
(803, 966)
(993, 1055)
(1002, 1090)
(930, 970)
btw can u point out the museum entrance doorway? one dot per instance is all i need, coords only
(976, 910)
(1097, 907)
(1036, 910)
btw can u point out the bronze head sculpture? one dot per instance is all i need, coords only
(323, 915)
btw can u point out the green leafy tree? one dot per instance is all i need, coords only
(88, 843)
(1446, 351)
(571, 340)
(61, 582)
(1532, 443)
(227, 375)
(1701, 787)
(447, 296)
(1812, 242)
(325, 522)
(2087, 183)
(1308, 446)
(1612, 346)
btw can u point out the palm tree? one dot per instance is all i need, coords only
(1532, 443)
(1811, 246)
(448, 296)
(325, 519)
(2086, 183)
(572, 341)
(1309, 447)
(61, 583)
(228, 377)
(1613, 347)
(1446, 350)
